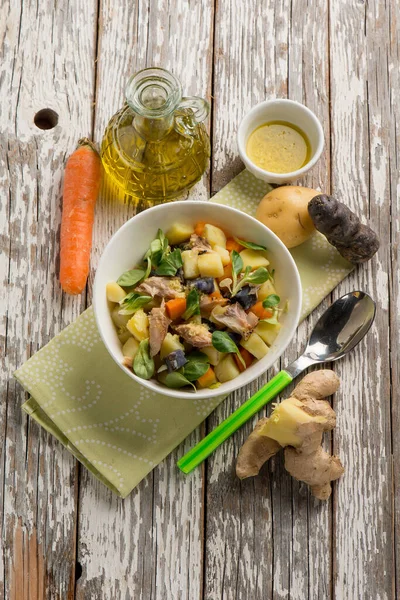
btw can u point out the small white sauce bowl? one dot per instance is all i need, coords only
(281, 110)
(128, 246)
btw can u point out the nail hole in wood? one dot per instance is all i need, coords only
(46, 118)
(78, 571)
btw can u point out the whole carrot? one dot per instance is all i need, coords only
(81, 188)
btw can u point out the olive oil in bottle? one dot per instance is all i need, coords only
(156, 146)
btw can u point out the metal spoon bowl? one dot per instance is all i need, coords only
(341, 327)
(337, 332)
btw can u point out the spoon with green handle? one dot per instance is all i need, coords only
(339, 330)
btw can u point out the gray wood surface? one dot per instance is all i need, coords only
(208, 536)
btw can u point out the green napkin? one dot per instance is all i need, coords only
(117, 428)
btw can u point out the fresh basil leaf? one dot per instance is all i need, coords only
(143, 364)
(132, 302)
(148, 269)
(198, 356)
(260, 275)
(130, 278)
(223, 343)
(177, 380)
(249, 245)
(271, 301)
(158, 248)
(237, 262)
(192, 304)
(170, 263)
(195, 369)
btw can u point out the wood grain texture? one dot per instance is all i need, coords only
(363, 552)
(207, 536)
(394, 267)
(155, 535)
(40, 68)
(282, 519)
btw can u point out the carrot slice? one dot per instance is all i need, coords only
(81, 187)
(199, 229)
(260, 311)
(247, 357)
(175, 308)
(216, 295)
(207, 379)
(232, 244)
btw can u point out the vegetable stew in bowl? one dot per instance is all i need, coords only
(199, 310)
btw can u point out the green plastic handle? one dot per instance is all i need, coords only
(196, 455)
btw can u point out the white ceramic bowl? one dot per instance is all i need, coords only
(281, 110)
(128, 245)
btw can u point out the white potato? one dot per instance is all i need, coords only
(214, 236)
(171, 342)
(224, 254)
(123, 335)
(114, 292)
(266, 290)
(217, 310)
(213, 355)
(255, 345)
(210, 265)
(285, 211)
(190, 264)
(254, 258)
(130, 348)
(178, 233)
(119, 320)
(268, 332)
(227, 369)
(138, 325)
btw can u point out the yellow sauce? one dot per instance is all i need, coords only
(278, 147)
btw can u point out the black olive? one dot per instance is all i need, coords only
(175, 360)
(204, 284)
(211, 326)
(235, 337)
(246, 297)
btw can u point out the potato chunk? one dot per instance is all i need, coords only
(114, 292)
(171, 342)
(190, 264)
(266, 290)
(179, 233)
(214, 236)
(255, 345)
(130, 348)
(212, 354)
(119, 320)
(224, 254)
(227, 369)
(268, 332)
(254, 258)
(210, 265)
(138, 325)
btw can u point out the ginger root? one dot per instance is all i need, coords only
(297, 424)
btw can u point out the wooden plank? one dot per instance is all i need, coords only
(363, 550)
(239, 549)
(265, 537)
(47, 55)
(309, 570)
(394, 263)
(149, 545)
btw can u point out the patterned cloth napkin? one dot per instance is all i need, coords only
(117, 428)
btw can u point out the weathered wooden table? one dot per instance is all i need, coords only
(63, 534)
